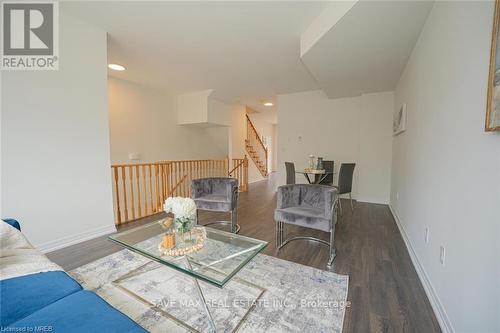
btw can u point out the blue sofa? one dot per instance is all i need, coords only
(53, 301)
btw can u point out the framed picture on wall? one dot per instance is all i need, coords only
(493, 98)
(399, 121)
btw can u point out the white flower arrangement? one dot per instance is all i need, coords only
(184, 210)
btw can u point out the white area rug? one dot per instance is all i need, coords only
(269, 294)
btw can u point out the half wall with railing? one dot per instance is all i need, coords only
(139, 190)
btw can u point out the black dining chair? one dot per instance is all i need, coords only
(328, 177)
(290, 173)
(345, 182)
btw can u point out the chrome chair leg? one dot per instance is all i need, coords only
(352, 206)
(282, 232)
(279, 234)
(280, 242)
(234, 222)
(277, 227)
(333, 251)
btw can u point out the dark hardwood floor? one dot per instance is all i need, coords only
(385, 292)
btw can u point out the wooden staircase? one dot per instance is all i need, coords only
(256, 149)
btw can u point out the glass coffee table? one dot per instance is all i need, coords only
(221, 257)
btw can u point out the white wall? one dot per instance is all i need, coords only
(375, 139)
(446, 169)
(144, 121)
(266, 130)
(233, 116)
(55, 142)
(192, 108)
(344, 130)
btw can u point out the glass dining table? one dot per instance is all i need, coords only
(319, 174)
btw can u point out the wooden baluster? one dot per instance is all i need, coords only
(157, 187)
(124, 187)
(246, 173)
(168, 178)
(186, 181)
(150, 188)
(191, 169)
(177, 172)
(161, 166)
(161, 182)
(144, 186)
(238, 173)
(183, 172)
(236, 162)
(181, 189)
(131, 185)
(172, 178)
(139, 210)
(118, 213)
(176, 178)
(165, 179)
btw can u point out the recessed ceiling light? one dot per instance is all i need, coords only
(116, 67)
(268, 104)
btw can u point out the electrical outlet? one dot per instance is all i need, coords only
(134, 156)
(442, 255)
(427, 234)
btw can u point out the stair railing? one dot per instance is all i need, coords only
(256, 148)
(139, 190)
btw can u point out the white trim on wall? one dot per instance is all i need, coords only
(75, 239)
(437, 306)
(373, 200)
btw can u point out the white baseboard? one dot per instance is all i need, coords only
(437, 306)
(377, 201)
(75, 239)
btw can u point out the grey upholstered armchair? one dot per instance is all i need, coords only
(307, 205)
(218, 195)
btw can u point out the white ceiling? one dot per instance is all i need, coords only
(366, 50)
(245, 51)
(249, 52)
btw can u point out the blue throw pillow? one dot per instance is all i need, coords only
(13, 223)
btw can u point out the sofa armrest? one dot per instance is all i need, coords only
(13, 223)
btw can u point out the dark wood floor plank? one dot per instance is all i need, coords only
(384, 289)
